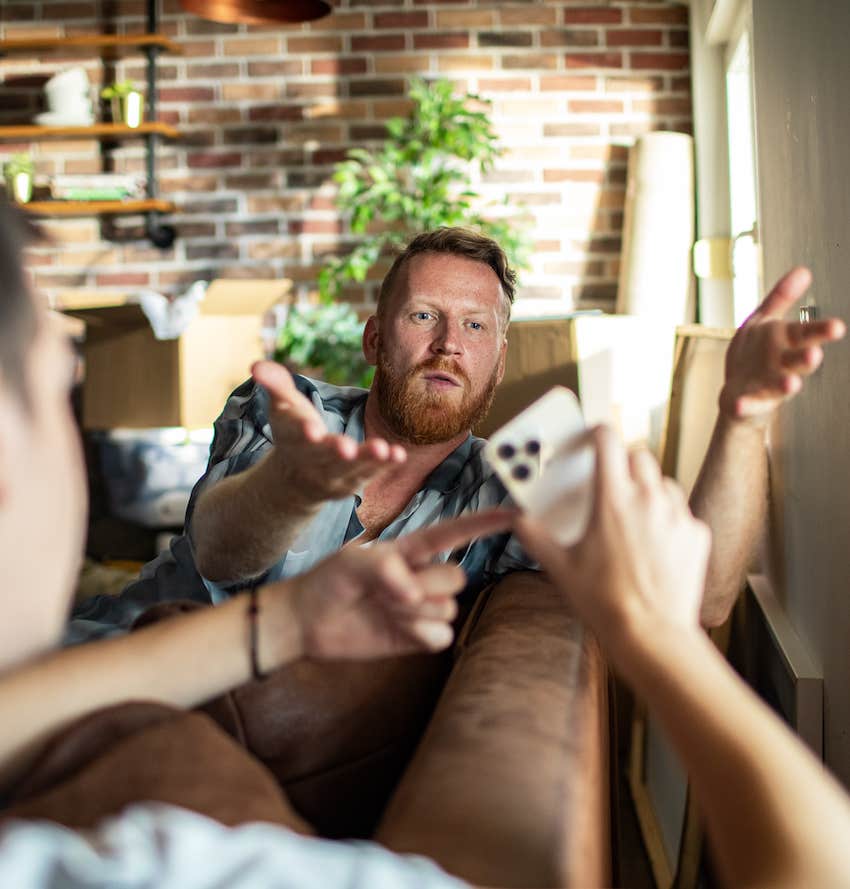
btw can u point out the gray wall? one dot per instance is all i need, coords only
(802, 90)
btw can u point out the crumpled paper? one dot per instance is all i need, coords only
(169, 318)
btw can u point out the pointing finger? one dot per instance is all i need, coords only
(419, 546)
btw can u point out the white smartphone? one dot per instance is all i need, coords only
(547, 464)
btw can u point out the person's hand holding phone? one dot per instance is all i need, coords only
(641, 563)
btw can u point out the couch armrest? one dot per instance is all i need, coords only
(510, 784)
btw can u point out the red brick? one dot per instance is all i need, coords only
(401, 20)
(569, 37)
(188, 183)
(573, 175)
(122, 279)
(377, 43)
(639, 84)
(666, 105)
(633, 37)
(267, 68)
(276, 112)
(198, 48)
(348, 65)
(504, 38)
(595, 106)
(680, 84)
(324, 156)
(275, 203)
(315, 227)
(214, 114)
(562, 82)
(528, 15)
(505, 84)
(533, 61)
(213, 159)
(377, 87)
(187, 94)
(252, 181)
(221, 250)
(318, 90)
(314, 44)
(441, 41)
(593, 15)
(667, 15)
(258, 46)
(668, 61)
(595, 60)
(203, 71)
(571, 129)
(255, 227)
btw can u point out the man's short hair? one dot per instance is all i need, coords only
(457, 242)
(18, 318)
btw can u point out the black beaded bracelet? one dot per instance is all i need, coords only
(253, 632)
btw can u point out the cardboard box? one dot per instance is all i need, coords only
(132, 380)
(619, 366)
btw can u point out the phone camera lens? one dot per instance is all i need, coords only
(532, 448)
(506, 451)
(521, 472)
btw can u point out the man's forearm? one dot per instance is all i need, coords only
(730, 496)
(244, 523)
(182, 661)
(773, 815)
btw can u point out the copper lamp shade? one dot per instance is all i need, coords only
(257, 12)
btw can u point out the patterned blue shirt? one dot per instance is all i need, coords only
(462, 483)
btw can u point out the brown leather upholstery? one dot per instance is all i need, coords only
(336, 735)
(510, 784)
(145, 751)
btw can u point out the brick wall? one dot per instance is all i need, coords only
(265, 112)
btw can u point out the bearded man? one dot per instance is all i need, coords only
(300, 468)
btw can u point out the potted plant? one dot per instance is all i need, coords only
(325, 341)
(18, 172)
(419, 179)
(127, 103)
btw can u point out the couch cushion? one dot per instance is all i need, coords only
(510, 784)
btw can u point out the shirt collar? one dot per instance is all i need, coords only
(447, 476)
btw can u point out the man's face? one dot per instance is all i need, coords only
(439, 347)
(44, 502)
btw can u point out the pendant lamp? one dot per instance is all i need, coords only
(257, 12)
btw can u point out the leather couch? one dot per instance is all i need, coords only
(491, 759)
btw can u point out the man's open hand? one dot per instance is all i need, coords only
(769, 357)
(319, 466)
(387, 599)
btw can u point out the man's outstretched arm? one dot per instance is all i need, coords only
(242, 524)
(767, 362)
(773, 815)
(384, 600)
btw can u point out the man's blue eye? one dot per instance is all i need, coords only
(476, 325)
(422, 316)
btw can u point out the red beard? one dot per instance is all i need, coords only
(429, 417)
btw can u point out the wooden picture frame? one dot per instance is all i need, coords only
(665, 810)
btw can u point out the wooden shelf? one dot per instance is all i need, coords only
(92, 208)
(109, 45)
(94, 131)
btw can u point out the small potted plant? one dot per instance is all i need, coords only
(18, 172)
(325, 341)
(126, 102)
